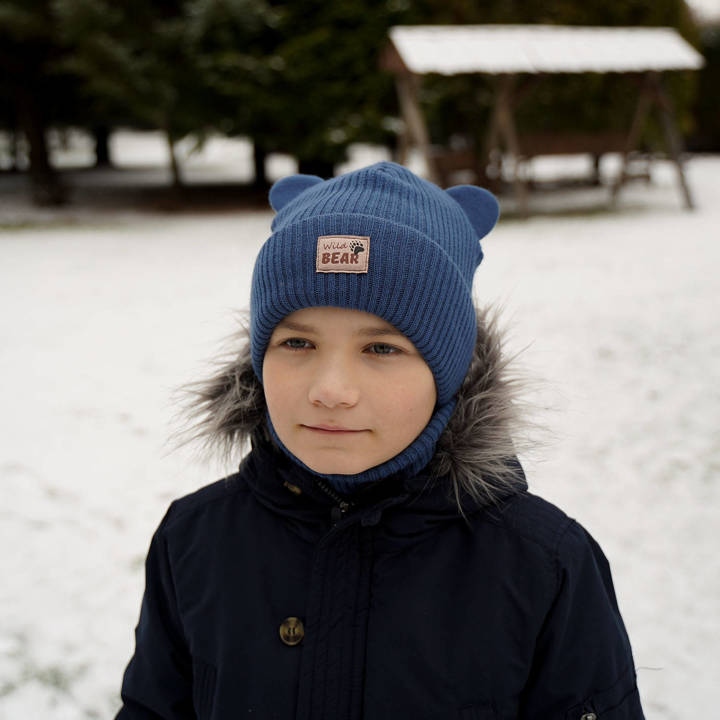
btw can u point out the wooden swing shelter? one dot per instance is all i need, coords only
(509, 51)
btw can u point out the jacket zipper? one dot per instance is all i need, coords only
(338, 512)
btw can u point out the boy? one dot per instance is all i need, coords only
(378, 554)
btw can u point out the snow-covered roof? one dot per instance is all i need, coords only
(454, 49)
(705, 11)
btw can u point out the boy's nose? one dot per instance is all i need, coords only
(332, 387)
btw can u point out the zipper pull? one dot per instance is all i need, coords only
(337, 513)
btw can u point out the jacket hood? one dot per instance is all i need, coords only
(474, 464)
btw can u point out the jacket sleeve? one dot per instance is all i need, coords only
(158, 680)
(583, 667)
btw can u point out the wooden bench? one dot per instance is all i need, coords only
(449, 161)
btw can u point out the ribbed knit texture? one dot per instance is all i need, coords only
(422, 256)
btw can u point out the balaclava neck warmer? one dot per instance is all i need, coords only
(387, 242)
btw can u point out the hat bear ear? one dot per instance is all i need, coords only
(479, 205)
(288, 188)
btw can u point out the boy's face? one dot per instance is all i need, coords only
(345, 390)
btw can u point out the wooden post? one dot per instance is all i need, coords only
(404, 145)
(506, 129)
(491, 140)
(672, 136)
(652, 92)
(407, 89)
(638, 124)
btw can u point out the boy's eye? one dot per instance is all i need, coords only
(296, 344)
(382, 349)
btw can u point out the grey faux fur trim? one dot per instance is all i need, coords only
(475, 451)
(478, 449)
(224, 411)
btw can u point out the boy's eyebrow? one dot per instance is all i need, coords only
(372, 331)
(369, 331)
(298, 327)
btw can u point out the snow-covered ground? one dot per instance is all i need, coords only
(103, 317)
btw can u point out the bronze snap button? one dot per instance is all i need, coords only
(294, 489)
(292, 630)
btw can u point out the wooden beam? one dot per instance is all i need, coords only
(653, 93)
(507, 131)
(492, 138)
(391, 60)
(642, 109)
(408, 93)
(673, 140)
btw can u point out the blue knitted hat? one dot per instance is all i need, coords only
(385, 241)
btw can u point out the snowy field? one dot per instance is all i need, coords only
(104, 314)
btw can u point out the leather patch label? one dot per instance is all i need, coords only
(342, 254)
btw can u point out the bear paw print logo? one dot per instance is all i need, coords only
(356, 247)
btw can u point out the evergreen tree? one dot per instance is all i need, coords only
(707, 106)
(35, 86)
(234, 42)
(299, 77)
(331, 86)
(137, 63)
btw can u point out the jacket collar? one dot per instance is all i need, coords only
(474, 464)
(407, 504)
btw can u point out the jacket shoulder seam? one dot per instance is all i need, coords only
(570, 523)
(181, 507)
(551, 547)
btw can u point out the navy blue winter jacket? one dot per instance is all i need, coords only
(406, 612)
(269, 596)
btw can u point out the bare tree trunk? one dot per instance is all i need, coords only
(322, 168)
(102, 146)
(14, 150)
(174, 164)
(259, 157)
(45, 182)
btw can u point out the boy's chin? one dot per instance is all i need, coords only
(337, 466)
(339, 469)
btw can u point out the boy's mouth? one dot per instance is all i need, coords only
(330, 429)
